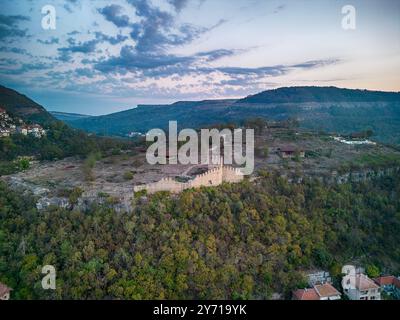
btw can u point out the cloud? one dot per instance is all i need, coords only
(12, 21)
(27, 67)
(113, 14)
(83, 47)
(85, 72)
(216, 54)
(154, 32)
(70, 4)
(140, 58)
(52, 40)
(316, 63)
(9, 26)
(158, 64)
(178, 4)
(157, 30)
(76, 47)
(89, 46)
(279, 8)
(130, 60)
(112, 40)
(15, 50)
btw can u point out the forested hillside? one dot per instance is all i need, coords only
(320, 94)
(322, 108)
(21, 106)
(239, 241)
(60, 140)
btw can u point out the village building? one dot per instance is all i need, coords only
(390, 285)
(35, 130)
(305, 294)
(23, 130)
(4, 292)
(7, 126)
(318, 292)
(358, 286)
(318, 277)
(5, 132)
(3, 114)
(289, 152)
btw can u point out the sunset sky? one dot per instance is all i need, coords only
(106, 56)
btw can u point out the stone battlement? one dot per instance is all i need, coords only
(212, 177)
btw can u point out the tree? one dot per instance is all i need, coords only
(372, 271)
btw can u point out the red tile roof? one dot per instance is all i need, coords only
(305, 294)
(365, 283)
(388, 280)
(326, 290)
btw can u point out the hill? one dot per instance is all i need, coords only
(320, 94)
(65, 116)
(319, 108)
(21, 106)
(236, 241)
(59, 140)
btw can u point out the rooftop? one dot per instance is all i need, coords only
(387, 280)
(365, 283)
(306, 294)
(326, 290)
(4, 289)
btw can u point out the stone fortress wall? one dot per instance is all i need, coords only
(212, 177)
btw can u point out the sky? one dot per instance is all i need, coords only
(108, 56)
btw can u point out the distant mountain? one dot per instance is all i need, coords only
(320, 108)
(319, 94)
(191, 114)
(21, 106)
(65, 116)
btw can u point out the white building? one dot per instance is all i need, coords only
(318, 277)
(4, 132)
(22, 130)
(4, 292)
(35, 130)
(357, 286)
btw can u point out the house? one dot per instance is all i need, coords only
(4, 292)
(358, 286)
(318, 277)
(327, 292)
(3, 114)
(5, 132)
(305, 294)
(36, 130)
(289, 152)
(319, 292)
(390, 285)
(23, 130)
